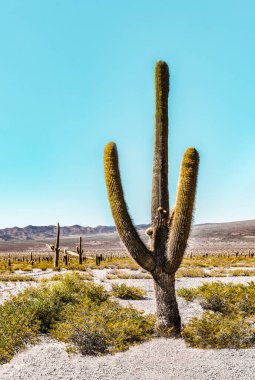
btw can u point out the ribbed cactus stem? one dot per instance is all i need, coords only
(122, 219)
(181, 223)
(56, 259)
(80, 250)
(160, 196)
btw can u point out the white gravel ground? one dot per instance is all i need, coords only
(159, 359)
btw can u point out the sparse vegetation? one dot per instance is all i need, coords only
(16, 278)
(61, 307)
(126, 292)
(242, 272)
(109, 263)
(115, 274)
(103, 327)
(213, 261)
(216, 331)
(229, 319)
(72, 310)
(190, 272)
(219, 272)
(58, 277)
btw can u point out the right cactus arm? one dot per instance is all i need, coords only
(182, 216)
(122, 219)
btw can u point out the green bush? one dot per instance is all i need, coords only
(214, 330)
(126, 292)
(188, 294)
(106, 327)
(229, 321)
(17, 278)
(242, 272)
(115, 273)
(18, 326)
(72, 310)
(191, 272)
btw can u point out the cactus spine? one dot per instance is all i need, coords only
(169, 231)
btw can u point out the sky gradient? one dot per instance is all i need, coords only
(77, 74)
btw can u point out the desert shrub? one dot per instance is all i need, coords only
(115, 274)
(242, 272)
(44, 265)
(72, 310)
(191, 272)
(214, 261)
(214, 330)
(126, 292)
(134, 276)
(115, 263)
(224, 298)
(229, 321)
(110, 276)
(188, 294)
(55, 277)
(59, 277)
(76, 266)
(88, 276)
(106, 327)
(195, 262)
(24, 316)
(228, 298)
(219, 272)
(18, 326)
(10, 278)
(47, 301)
(27, 268)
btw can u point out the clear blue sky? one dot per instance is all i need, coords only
(76, 74)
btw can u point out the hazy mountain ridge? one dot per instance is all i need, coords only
(230, 231)
(223, 236)
(48, 232)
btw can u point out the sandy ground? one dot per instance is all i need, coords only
(158, 359)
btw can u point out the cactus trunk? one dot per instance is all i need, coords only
(168, 316)
(169, 231)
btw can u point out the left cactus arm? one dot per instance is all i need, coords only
(122, 219)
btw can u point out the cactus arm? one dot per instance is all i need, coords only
(181, 223)
(160, 196)
(122, 219)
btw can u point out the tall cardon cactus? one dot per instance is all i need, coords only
(169, 230)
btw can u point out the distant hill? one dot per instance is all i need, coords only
(208, 237)
(228, 231)
(49, 232)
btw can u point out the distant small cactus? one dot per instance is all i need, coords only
(80, 250)
(55, 248)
